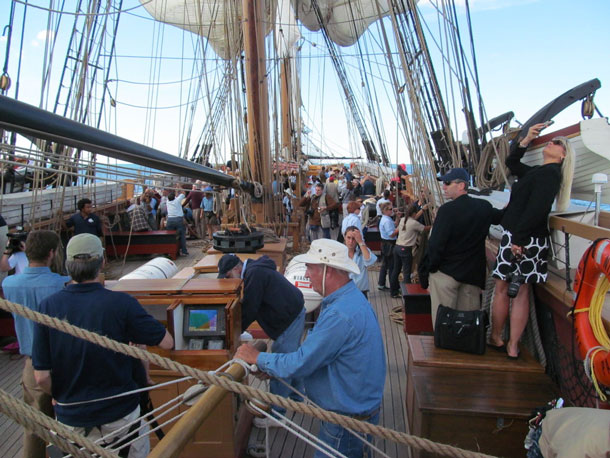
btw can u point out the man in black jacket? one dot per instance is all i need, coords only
(456, 249)
(275, 303)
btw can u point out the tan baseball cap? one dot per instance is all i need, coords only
(84, 245)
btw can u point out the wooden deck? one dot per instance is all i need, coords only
(282, 444)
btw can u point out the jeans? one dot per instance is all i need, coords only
(403, 258)
(326, 232)
(176, 223)
(387, 261)
(343, 441)
(288, 342)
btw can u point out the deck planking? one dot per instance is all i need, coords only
(282, 443)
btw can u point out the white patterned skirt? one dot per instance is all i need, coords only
(532, 265)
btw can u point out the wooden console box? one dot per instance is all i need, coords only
(479, 403)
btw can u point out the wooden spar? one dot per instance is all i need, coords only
(287, 137)
(256, 94)
(183, 431)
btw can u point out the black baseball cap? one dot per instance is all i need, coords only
(455, 174)
(226, 263)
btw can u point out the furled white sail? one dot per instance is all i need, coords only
(217, 20)
(220, 20)
(345, 20)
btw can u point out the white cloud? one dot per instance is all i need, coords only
(44, 34)
(34, 43)
(3, 39)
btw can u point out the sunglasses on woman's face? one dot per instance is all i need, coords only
(557, 142)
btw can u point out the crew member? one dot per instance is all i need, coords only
(456, 250)
(85, 221)
(28, 289)
(342, 360)
(275, 303)
(79, 374)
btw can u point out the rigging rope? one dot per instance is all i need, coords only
(235, 387)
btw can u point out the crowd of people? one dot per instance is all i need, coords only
(340, 365)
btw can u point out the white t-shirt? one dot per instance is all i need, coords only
(18, 261)
(174, 207)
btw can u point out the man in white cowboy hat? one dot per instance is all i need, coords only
(342, 360)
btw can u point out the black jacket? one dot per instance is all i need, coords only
(269, 298)
(531, 197)
(457, 242)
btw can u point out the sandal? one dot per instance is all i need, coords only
(500, 348)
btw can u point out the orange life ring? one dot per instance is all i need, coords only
(594, 263)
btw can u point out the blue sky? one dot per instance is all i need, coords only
(528, 52)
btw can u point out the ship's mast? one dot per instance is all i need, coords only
(258, 105)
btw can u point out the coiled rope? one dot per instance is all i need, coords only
(235, 387)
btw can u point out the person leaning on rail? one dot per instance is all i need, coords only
(86, 380)
(342, 360)
(524, 247)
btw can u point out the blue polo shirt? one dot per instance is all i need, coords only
(342, 361)
(83, 371)
(386, 228)
(91, 225)
(29, 289)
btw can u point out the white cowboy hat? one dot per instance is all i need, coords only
(331, 253)
(289, 192)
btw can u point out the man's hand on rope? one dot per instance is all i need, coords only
(248, 353)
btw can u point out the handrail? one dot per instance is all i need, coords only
(586, 231)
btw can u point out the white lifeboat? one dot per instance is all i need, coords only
(295, 273)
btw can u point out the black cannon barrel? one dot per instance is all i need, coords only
(28, 120)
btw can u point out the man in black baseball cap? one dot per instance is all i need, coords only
(275, 303)
(456, 249)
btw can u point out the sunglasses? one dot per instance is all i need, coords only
(449, 183)
(558, 142)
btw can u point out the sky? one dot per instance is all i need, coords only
(528, 52)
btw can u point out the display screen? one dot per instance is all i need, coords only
(203, 320)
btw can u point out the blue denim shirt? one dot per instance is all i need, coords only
(207, 203)
(342, 360)
(386, 228)
(362, 279)
(29, 288)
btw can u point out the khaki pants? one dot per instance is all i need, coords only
(444, 289)
(33, 446)
(199, 222)
(139, 449)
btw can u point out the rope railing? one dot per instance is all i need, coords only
(235, 387)
(49, 429)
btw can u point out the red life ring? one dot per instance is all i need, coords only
(594, 263)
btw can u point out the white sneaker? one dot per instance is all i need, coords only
(265, 422)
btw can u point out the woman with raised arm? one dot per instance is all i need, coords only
(523, 250)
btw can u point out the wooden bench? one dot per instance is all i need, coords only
(146, 242)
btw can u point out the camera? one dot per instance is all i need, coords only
(515, 280)
(14, 241)
(309, 212)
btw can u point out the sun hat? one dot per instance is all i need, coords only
(330, 253)
(455, 174)
(85, 245)
(226, 263)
